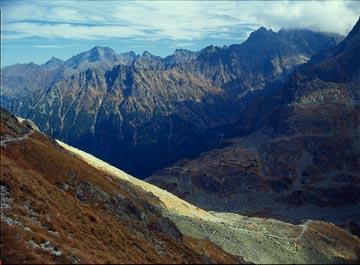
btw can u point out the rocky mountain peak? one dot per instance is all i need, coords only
(53, 62)
(180, 56)
(210, 50)
(148, 61)
(98, 53)
(180, 52)
(54, 59)
(147, 54)
(261, 32)
(354, 35)
(356, 29)
(95, 54)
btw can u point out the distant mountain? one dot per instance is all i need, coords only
(101, 58)
(261, 59)
(296, 155)
(180, 58)
(53, 63)
(157, 110)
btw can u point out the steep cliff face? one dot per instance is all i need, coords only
(156, 110)
(300, 158)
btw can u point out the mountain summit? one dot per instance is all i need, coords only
(53, 63)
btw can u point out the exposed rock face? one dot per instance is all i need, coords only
(301, 155)
(142, 113)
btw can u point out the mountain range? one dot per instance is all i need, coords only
(267, 128)
(300, 155)
(155, 110)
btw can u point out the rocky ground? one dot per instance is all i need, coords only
(269, 241)
(257, 240)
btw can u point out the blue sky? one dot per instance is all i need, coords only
(36, 30)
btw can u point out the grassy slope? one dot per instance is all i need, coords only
(44, 182)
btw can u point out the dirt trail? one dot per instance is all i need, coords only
(299, 237)
(8, 140)
(305, 227)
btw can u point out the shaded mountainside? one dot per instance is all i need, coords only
(300, 157)
(155, 110)
(55, 208)
(61, 205)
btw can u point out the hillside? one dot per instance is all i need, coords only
(63, 205)
(55, 208)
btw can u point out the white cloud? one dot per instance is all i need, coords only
(176, 20)
(329, 16)
(71, 31)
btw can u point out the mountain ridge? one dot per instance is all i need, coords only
(299, 157)
(152, 104)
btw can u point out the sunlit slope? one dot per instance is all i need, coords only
(258, 240)
(170, 201)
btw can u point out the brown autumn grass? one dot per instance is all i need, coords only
(15, 250)
(341, 243)
(34, 171)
